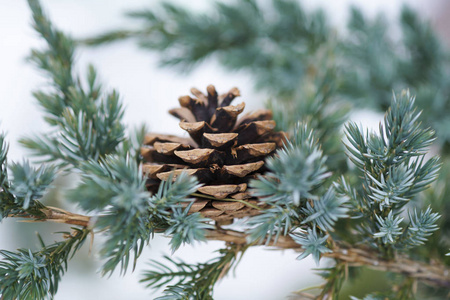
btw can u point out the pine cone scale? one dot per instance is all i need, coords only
(219, 140)
(224, 118)
(243, 169)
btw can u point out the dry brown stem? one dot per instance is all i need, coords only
(431, 273)
(57, 215)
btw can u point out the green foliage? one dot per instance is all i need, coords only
(297, 58)
(171, 193)
(3, 163)
(298, 169)
(389, 228)
(316, 103)
(421, 226)
(28, 275)
(186, 228)
(114, 180)
(312, 243)
(325, 212)
(293, 189)
(268, 226)
(381, 63)
(282, 44)
(191, 281)
(7, 201)
(183, 228)
(393, 168)
(334, 279)
(56, 61)
(288, 50)
(115, 187)
(20, 194)
(437, 198)
(88, 135)
(29, 184)
(87, 125)
(296, 173)
(273, 43)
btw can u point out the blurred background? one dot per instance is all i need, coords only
(148, 91)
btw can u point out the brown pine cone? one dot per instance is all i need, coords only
(224, 153)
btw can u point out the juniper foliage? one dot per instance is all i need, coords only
(36, 275)
(282, 44)
(87, 123)
(191, 281)
(310, 194)
(89, 138)
(393, 168)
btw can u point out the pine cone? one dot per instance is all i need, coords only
(222, 152)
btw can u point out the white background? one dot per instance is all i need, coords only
(148, 92)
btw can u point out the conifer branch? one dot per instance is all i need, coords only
(282, 44)
(303, 207)
(431, 273)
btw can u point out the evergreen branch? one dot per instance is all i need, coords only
(283, 44)
(296, 172)
(112, 36)
(405, 137)
(391, 163)
(316, 105)
(171, 193)
(381, 63)
(19, 195)
(57, 60)
(35, 275)
(394, 189)
(116, 187)
(88, 127)
(345, 190)
(279, 38)
(192, 281)
(431, 273)
(89, 135)
(184, 228)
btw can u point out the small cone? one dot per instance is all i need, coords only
(224, 152)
